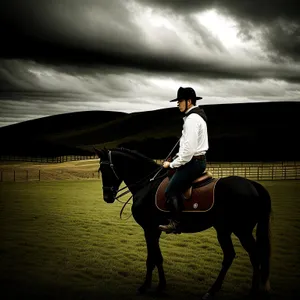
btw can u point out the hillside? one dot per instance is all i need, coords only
(49, 136)
(237, 132)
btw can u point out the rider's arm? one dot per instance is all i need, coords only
(189, 141)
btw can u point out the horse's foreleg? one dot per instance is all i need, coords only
(154, 258)
(229, 255)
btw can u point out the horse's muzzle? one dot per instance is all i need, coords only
(109, 198)
(109, 194)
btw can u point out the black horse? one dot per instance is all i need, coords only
(240, 204)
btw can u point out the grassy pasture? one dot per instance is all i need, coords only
(34, 171)
(60, 240)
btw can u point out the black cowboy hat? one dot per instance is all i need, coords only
(186, 93)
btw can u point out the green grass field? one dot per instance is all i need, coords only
(60, 240)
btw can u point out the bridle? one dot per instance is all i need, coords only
(114, 189)
(110, 163)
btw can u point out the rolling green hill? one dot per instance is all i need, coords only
(51, 136)
(237, 132)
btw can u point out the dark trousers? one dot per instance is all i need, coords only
(179, 182)
(183, 177)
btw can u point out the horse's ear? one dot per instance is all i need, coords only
(100, 153)
(97, 152)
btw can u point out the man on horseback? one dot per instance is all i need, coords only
(190, 161)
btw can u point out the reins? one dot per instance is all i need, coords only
(137, 183)
(128, 191)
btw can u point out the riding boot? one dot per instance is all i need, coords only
(175, 205)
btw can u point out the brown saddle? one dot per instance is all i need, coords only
(199, 197)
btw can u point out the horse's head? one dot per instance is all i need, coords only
(110, 179)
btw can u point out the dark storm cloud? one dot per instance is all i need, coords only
(259, 10)
(208, 40)
(279, 20)
(72, 32)
(62, 30)
(59, 56)
(64, 33)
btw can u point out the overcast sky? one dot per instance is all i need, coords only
(118, 55)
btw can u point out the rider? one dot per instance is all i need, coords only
(190, 161)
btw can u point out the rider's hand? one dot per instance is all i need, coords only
(166, 164)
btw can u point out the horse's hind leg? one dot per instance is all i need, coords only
(248, 242)
(154, 258)
(225, 241)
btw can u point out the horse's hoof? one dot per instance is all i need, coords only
(207, 296)
(161, 287)
(254, 293)
(266, 294)
(259, 294)
(143, 289)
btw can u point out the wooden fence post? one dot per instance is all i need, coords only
(27, 175)
(1, 178)
(39, 175)
(14, 175)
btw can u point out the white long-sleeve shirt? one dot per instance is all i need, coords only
(194, 139)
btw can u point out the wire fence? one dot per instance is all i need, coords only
(254, 172)
(45, 175)
(42, 159)
(259, 172)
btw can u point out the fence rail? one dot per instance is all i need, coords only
(66, 158)
(274, 172)
(259, 172)
(45, 175)
(40, 159)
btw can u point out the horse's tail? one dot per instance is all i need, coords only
(263, 232)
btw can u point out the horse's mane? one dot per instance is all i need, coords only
(135, 153)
